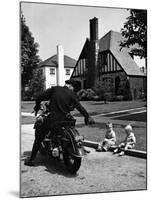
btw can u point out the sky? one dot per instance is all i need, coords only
(68, 25)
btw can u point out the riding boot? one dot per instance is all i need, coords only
(36, 146)
(30, 161)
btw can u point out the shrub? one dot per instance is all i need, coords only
(87, 95)
(118, 98)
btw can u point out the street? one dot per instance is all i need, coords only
(99, 172)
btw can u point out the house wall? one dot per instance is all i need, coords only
(51, 79)
(116, 82)
(136, 89)
(107, 84)
(67, 76)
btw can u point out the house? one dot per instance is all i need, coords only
(103, 64)
(55, 73)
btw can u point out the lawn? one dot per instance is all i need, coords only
(96, 133)
(100, 108)
(94, 107)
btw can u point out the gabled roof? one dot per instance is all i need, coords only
(53, 62)
(111, 41)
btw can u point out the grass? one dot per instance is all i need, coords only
(100, 108)
(96, 133)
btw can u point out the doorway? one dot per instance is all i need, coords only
(117, 83)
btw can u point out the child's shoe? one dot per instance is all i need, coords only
(99, 149)
(122, 153)
(104, 149)
(115, 151)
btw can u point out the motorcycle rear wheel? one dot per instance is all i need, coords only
(72, 163)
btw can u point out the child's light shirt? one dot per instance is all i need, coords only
(130, 138)
(110, 134)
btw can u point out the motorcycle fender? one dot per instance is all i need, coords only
(79, 152)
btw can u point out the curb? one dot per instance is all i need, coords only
(132, 152)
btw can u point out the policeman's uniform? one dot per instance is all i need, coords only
(61, 102)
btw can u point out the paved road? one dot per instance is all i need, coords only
(99, 172)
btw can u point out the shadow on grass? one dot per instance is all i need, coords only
(53, 166)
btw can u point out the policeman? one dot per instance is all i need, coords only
(62, 100)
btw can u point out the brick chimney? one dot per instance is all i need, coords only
(93, 53)
(94, 29)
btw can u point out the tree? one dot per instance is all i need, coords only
(29, 57)
(135, 32)
(36, 84)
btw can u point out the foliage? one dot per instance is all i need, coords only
(36, 85)
(29, 57)
(100, 91)
(135, 32)
(87, 95)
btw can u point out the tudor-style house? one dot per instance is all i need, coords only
(102, 62)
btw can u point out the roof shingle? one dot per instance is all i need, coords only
(53, 62)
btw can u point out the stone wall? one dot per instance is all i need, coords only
(107, 84)
(137, 87)
(128, 87)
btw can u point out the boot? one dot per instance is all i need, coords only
(29, 162)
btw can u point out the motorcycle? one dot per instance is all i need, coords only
(62, 142)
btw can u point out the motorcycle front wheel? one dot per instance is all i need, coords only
(72, 163)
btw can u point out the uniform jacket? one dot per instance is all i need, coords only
(62, 100)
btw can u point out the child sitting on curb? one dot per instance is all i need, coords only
(128, 143)
(109, 139)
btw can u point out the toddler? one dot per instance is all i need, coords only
(109, 139)
(128, 143)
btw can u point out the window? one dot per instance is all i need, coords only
(52, 71)
(67, 71)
